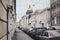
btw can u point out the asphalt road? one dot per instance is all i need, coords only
(20, 35)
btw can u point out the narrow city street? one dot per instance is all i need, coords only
(29, 19)
(20, 35)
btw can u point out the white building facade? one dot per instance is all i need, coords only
(41, 18)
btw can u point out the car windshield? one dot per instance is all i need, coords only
(40, 30)
(54, 33)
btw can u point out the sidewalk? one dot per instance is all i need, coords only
(20, 35)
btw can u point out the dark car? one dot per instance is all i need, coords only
(51, 28)
(50, 35)
(38, 31)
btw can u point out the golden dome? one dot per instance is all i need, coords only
(29, 9)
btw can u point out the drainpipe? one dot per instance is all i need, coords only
(9, 8)
(7, 22)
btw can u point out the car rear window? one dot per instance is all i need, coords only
(53, 33)
(45, 34)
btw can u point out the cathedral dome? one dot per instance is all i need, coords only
(29, 10)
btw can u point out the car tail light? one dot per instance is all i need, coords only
(36, 33)
(52, 39)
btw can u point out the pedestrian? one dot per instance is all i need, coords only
(19, 27)
(42, 24)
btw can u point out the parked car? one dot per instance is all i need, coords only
(38, 31)
(58, 30)
(50, 35)
(19, 27)
(51, 28)
(25, 30)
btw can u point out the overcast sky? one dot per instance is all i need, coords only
(22, 5)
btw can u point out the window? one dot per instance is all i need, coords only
(55, 20)
(58, 19)
(55, 0)
(45, 34)
(54, 34)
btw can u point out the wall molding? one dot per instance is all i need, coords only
(3, 20)
(3, 5)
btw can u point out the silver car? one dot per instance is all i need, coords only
(50, 35)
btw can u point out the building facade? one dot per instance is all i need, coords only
(41, 18)
(7, 19)
(3, 20)
(55, 13)
(24, 22)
